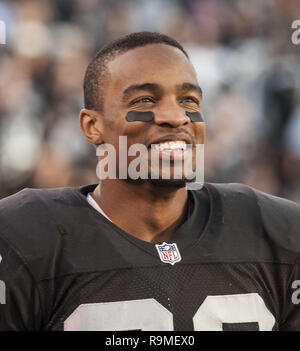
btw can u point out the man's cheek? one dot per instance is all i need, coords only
(200, 133)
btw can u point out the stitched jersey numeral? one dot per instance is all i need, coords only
(222, 312)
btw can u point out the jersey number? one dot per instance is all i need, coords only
(216, 313)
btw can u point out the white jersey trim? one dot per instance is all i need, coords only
(94, 204)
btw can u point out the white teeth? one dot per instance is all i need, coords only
(171, 145)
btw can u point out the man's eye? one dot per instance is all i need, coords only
(191, 100)
(143, 99)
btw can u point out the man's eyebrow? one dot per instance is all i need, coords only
(189, 87)
(152, 87)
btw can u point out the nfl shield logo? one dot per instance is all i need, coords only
(168, 253)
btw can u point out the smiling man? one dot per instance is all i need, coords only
(157, 78)
(148, 254)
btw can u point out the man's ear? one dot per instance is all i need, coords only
(91, 125)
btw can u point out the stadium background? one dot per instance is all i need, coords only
(242, 51)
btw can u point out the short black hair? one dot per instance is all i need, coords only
(96, 71)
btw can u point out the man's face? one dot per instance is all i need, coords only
(157, 78)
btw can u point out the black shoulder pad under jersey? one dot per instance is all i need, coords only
(259, 221)
(281, 219)
(32, 222)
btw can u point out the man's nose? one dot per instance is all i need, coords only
(170, 114)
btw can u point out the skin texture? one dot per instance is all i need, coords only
(148, 211)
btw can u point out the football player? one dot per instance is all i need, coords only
(148, 254)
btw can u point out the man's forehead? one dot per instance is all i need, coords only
(152, 52)
(148, 63)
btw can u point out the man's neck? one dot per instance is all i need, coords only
(149, 212)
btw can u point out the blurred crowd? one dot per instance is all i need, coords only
(246, 64)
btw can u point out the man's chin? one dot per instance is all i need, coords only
(165, 183)
(168, 183)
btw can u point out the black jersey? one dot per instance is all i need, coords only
(233, 265)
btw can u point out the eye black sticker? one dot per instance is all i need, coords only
(194, 116)
(148, 116)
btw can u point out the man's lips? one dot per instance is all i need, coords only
(172, 142)
(173, 147)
